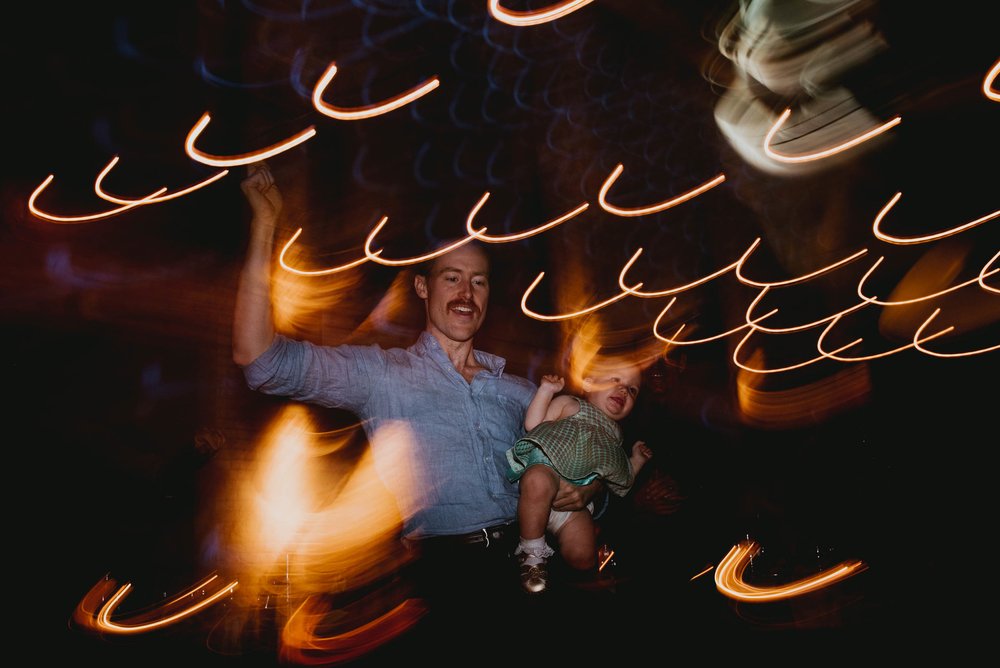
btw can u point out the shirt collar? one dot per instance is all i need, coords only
(426, 344)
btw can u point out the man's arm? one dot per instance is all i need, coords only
(253, 323)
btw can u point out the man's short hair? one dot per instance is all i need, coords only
(424, 268)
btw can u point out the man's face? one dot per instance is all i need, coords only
(456, 291)
(613, 390)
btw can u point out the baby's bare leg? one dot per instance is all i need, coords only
(538, 488)
(578, 542)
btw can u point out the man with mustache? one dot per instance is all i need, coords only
(460, 407)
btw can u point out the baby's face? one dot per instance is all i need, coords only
(613, 390)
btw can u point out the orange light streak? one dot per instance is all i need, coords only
(983, 274)
(566, 316)
(87, 217)
(318, 272)
(480, 233)
(301, 645)
(670, 291)
(795, 328)
(377, 109)
(916, 343)
(606, 560)
(819, 155)
(805, 404)
(652, 208)
(729, 577)
(865, 358)
(101, 619)
(800, 365)
(700, 573)
(375, 256)
(243, 158)
(103, 194)
(978, 279)
(536, 17)
(991, 76)
(902, 241)
(690, 342)
(801, 279)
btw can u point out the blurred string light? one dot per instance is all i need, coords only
(980, 279)
(752, 323)
(983, 274)
(83, 218)
(371, 110)
(242, 158)
(95, 612)
(652, 208)
(824, 153)
(535, 17)
(761, 53)
(965, 353)
(988, 90)
(103, 194)
(730, 582)
(877, 226)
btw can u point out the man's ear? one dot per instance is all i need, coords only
(588, 383)
(420, 285)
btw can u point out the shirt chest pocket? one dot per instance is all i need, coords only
(503, 418)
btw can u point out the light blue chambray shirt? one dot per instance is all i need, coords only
(461, 430)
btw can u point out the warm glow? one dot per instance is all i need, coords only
(377, 109)
(303, 528)
(729, 577)
(301, 644)
(877, 226)
(826, 153)
(536, 17)
(243, 158)
(652, 208)
(805, 405)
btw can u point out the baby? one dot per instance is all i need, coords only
(579, 440)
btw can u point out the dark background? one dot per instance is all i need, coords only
(125, 411)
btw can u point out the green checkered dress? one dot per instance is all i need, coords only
(580, 448)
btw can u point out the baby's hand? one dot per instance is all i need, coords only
(552, 383)
(642, 452)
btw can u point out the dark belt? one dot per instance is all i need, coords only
(494, 536)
